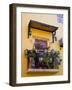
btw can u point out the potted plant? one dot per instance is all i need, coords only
(52, 59)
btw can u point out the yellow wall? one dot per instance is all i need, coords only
(28, 44)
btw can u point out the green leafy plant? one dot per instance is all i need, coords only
(51, 60)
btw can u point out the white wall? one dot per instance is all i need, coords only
(4, 45)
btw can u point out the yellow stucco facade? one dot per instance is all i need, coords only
(27, 43)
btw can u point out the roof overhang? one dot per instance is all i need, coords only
(42, 26)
